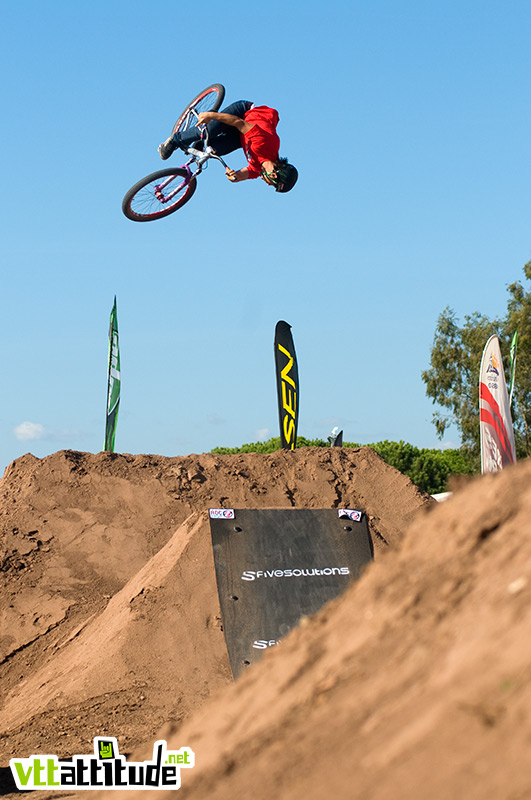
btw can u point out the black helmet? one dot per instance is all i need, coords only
(286, 175)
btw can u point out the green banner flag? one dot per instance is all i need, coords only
(113, 383)
(514, 345)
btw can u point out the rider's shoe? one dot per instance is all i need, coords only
(167, 148)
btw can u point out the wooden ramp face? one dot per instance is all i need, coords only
(274, 566)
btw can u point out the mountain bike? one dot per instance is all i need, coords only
(163, 192)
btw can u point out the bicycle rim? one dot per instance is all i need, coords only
(158, 195)
(209, 99)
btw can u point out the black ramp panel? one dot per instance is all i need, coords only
(274, 566)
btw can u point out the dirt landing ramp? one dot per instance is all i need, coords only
(108, 604)
(274, 566)
(425, 693)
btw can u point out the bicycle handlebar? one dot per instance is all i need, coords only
(207, 153)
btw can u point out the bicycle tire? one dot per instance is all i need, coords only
(209, 99)
(141, 203)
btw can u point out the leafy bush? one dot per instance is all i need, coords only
(267, 447)
(428, 468)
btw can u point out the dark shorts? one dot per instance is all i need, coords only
(223, 138)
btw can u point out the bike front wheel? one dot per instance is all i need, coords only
(158, 195)
(209, 99)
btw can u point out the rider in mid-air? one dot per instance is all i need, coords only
(245, 125)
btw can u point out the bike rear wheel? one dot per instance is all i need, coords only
(158, 195)
(209, 99)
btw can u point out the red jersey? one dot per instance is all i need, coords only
(261, 143)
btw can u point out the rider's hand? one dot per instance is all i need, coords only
(232, 175)
(204, 117)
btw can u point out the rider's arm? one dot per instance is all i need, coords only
(237, 175)
(228, 119)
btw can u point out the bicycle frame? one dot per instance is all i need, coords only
(199, 158)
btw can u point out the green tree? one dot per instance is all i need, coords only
(452, 380)
(519, 319)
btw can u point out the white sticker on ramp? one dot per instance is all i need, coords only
(221, 513)
(350, 513)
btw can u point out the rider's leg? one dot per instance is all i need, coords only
(223, 138)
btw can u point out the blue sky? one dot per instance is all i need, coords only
(409, 123)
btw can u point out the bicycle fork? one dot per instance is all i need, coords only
(159, 188)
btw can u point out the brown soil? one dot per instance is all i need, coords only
(415, 682)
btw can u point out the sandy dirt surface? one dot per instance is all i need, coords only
(414, 682)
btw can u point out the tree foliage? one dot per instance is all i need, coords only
(518, 318)
(428, 468)
(453, 377)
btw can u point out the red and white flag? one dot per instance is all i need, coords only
(495, 423)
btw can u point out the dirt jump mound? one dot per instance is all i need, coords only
(110, 620)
